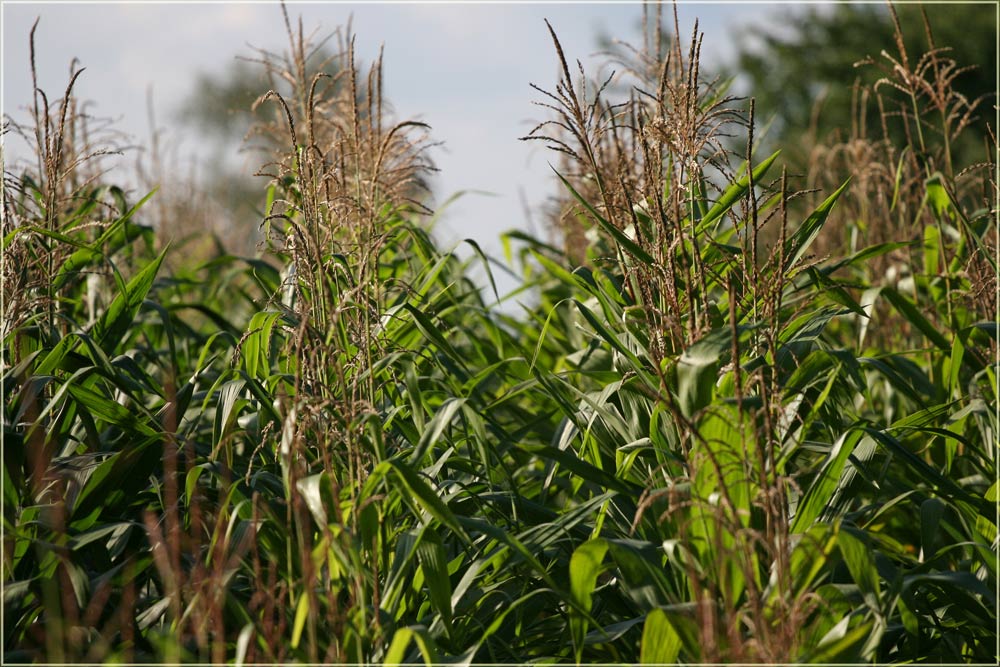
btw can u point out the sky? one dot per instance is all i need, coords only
(462, 68)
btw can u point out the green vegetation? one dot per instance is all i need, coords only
(737, 423)
(804, 98)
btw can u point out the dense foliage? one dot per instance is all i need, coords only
(700, 442)
(806, 99)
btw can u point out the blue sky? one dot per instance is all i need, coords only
(463, 68)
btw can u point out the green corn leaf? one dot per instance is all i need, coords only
(554, 268)
(834, 291)
(843, 645)
(513, 543)
(108, 411)
(618, 235)
(986, 523)
(117, 480)
(735, 192)
(660, 644)
(301, 615)
(586, 563)
(396, 652)
(433, 333)
(420, 493)
(118, 235)
(931, 511)
(433, 430)
(604, 332)
(866, 254)
(908, 310)
(113, 325)
(257, 345)
(947, 211)
(317, 491)
(697, 370)
(486, 265)
(857, 555)
(802, 238)
(430, 552)
(899, 178)
(932, 250)
(825, 485)
(937, 196)
(554, 310)
(930, 475)
(810, 556)
(224, 413)
(571, 462)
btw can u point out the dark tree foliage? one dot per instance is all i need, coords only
(221, 108)
(802, 70)
(219, 104)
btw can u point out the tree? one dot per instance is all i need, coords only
(801, 75)
(222, 109)
(219, 109)
(324, 92)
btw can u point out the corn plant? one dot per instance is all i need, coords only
(733, 420)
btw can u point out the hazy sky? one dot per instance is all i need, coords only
(462, 68)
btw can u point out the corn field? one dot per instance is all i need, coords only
(740, 416)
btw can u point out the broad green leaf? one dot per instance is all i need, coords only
(660, 644)
(116, 320)
(810, 556)
(932, 250)
(937, 197)
(432, 430)
(610, 337)
(697, 370)
(735, 192)
(618, 235)
(585, 565)
(257, 345)
(727, 460)
(317, 491)
(301, 615)
(430, 552)
(802, 238)
(396, 653)
(112, 412)
(573, 463)
(420, 492)
(865, 254)
(931, 511)
(827, 480)
(908, 310)
(986, 525)
(433, 333)
(118, 235)
(843, 645)
(857, 556)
